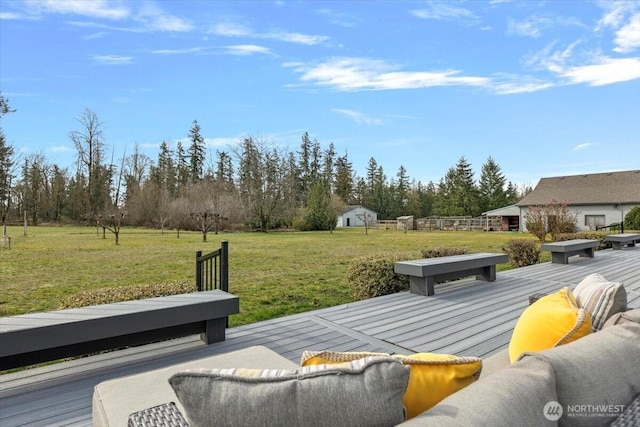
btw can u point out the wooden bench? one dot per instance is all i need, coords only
(561, 251)
(39, 337)
(617, 240)
(425, 273)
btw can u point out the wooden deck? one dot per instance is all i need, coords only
(466, 317)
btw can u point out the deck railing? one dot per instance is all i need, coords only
(212, 269)
(613, 227)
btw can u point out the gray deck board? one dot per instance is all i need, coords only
(465, 317)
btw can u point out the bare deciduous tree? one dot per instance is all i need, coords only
(89, 145)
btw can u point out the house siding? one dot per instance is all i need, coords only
(610, 194)
(354, 217)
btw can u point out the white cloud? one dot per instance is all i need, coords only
(148, 17)
(616, 11)
(350, 74)
(628, 37)
(357, 116)
(232, 29)
(95, 8)
(523, 28)
(583, 146)
(521, 85)
(12, 16)
(247, 49)
(112, 59)
(94, 36)
(298, 38)
(534, 26)
(605, 71)
(155, 19)
(185, 51)
(446, 12)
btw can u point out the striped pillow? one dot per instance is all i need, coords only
(601, 298)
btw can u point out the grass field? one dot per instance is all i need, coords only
(274, 274)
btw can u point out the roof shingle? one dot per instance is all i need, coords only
(590, 189)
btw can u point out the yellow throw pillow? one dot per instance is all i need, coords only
(331, 357)
(551, 321)
(432, 377)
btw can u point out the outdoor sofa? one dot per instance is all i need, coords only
(590, 376)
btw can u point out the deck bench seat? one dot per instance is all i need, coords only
(425, 273)
(617, 240)
(561, 251)
(39, 337)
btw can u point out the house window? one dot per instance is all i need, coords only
(594, 221)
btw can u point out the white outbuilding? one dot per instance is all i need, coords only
(357, 216)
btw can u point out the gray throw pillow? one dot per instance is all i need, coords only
(365, 392)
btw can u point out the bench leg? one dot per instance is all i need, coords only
(559, 258)
(616, 246)
(215, 330)
(587, 253)
(422, 285)
(488, 274)
(631, 244)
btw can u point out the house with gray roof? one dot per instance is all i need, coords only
(598, 199)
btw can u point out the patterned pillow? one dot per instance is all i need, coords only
(601, 298)
(551, 321)
(367, 392)
(432, 377)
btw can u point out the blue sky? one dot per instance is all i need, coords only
(546, 88)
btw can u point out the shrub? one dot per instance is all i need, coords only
(590, 235)
(522, 252)
(560, 219)
(372, 276)
(632, 219)
(125, 293)
(535, 221)
(554, 217)
(440, 252)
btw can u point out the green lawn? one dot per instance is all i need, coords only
(274, 274)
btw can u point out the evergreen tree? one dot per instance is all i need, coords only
(196, 153)
(224, 168)
(182, 166)
(465, 190)
(328, 175)
(303, 171)
(344, 181)
(457, 193)
(511, 194)
(166, 169)
(491, 187)
(402, 191)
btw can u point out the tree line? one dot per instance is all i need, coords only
(253, 184)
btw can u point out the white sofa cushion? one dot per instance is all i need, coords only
(114, 400)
